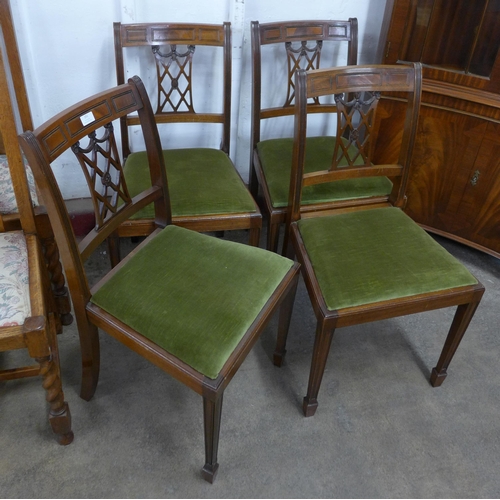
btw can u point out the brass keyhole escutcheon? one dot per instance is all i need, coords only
(475, 177)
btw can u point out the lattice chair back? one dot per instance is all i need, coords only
(173, 48)
(302, 57)
(103, 171)
(207, 192)
(279, 51)
(174, 73)
(357, 91)
(92, 122)
(303, 43)
(356, 120)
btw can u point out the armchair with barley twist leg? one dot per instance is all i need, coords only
(28, 311)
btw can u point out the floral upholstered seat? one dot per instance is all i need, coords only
(14, 279)
(8, 203)
(9, 211)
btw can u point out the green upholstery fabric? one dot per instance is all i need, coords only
(201, 181)
(374, 255)
(276, 160)
(192, 294)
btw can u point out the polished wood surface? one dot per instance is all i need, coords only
(403, 111)
(447, 34)
(37, 334)
(175, 96)
(91, 121)
(16, 70)
(302, 43)
(358, 118)
(453, 188)
(455, 181)
(11, 221)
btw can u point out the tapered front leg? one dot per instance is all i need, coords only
(89, 342)
(211, 418)
(90, 351)
(322, 344)
(461, 321)
(284, 323)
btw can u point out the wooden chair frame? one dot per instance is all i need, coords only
(154, 35)
(288, 33)
(38, 332)
(64, 131)
(12, 221)
(349, 80)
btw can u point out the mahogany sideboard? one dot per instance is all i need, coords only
(454, 186)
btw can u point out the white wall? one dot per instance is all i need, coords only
(67, 53)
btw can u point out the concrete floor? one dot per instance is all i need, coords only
(380, 430)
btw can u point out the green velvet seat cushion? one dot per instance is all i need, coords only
(276, 160)
(201, 181)
(375, 255)
(193, 295)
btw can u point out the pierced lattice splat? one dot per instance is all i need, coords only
(104, 173)
(303, 57)
(174, 78)
(356, 117)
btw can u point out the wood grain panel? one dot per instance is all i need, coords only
(166, 33)
(454, 183)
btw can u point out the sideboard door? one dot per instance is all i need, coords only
(454, 185)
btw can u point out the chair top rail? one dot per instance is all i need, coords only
(66, 128)
(303, 43)
(289, 31)
(132, 35)
(373, 78)
(92, 119)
